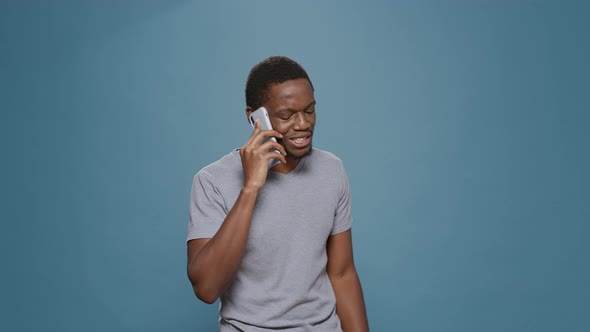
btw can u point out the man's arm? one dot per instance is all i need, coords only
(350, 305)
(212, 263)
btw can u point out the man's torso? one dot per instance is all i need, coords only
(282, 280)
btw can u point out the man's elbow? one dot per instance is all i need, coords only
(206, 295)
(346, 273)
(202, 290)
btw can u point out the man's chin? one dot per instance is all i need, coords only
(300, 154)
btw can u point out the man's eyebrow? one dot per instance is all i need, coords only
(292, 110)
(310, 105)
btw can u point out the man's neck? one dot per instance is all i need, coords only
(288, 167)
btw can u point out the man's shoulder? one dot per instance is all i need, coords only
(225, 167)
(325, 157)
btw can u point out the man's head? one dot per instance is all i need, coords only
(282, 86)
(272, 70)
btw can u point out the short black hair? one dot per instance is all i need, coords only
(272, 70)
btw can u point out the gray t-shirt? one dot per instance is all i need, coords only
(282, 282)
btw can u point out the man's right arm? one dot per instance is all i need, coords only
(212, 263)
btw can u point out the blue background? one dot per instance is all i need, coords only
(463, 125)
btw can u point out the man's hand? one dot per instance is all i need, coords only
(256, 156)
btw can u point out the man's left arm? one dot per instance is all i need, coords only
(350, 305)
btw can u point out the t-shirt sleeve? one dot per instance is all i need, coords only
(342, 215)
(207, 208)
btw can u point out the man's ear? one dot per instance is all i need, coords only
(249, 111)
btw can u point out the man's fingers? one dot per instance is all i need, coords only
(258, 137)
(279, 157)
(255, 132)
(272, 154)
(271, 145)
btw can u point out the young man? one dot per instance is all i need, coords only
(275, 244)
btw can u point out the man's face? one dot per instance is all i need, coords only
(291, 107)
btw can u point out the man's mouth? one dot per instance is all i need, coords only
(301, 141)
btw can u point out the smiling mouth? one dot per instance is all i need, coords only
(301, 142)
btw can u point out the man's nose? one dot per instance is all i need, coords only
(301, 122)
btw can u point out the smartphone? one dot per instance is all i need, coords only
(261, 115)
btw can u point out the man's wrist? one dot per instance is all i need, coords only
(250, 190)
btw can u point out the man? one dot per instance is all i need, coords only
(275, 244)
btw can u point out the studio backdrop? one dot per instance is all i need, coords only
(463, 126)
